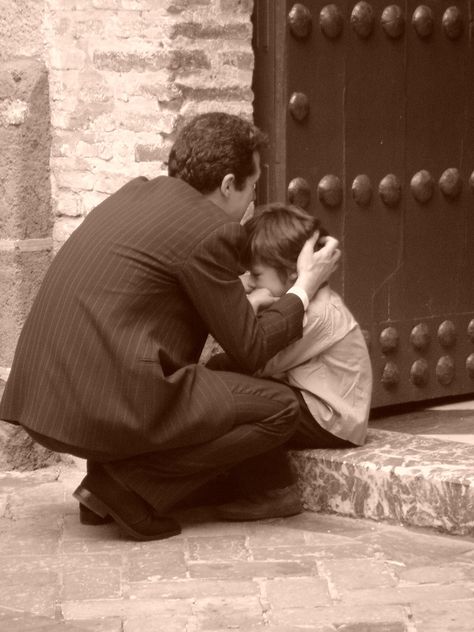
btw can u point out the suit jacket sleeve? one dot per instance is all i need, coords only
(209, 275)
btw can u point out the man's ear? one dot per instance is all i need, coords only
(293, 276)
(228, 182)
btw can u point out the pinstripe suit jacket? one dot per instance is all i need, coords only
(107, 357)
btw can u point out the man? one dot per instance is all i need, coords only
(106, 365)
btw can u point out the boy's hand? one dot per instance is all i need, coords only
(261, 298)
(315, 268)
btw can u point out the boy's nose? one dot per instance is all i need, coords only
(248, 281)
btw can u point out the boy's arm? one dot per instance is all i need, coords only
(317, 337)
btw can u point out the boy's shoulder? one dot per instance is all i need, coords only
(328, 304)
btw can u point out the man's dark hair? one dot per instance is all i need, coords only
(275, 235)
(213, 145)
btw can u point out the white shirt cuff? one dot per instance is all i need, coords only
(301, 294)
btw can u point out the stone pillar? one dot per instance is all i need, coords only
(25, 206)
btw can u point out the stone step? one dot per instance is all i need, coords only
(415, 469)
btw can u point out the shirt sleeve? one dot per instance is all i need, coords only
(318, 335)
(209, 275)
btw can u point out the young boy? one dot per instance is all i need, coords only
(329, 367)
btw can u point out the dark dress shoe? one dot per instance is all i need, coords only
(86, 516)
(273, 503)
(104, 496)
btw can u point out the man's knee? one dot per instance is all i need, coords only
(287, 420)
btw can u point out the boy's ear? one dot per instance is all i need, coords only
(293, 276)
(227, 183)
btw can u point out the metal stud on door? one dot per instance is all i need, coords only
(370, 111)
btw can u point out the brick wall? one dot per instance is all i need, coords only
(124, 74)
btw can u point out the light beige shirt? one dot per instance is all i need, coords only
(330, 364)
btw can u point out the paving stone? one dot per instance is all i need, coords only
(24, 506)
(446, 616)
(309, 551)
(111, 624)
(36, 593)
(339, 615)
(174, 623)
(3, 504)
(373, 627)
(192, 589)
(442, 574)
(415, 548)
(91, 583)
(275, 534)
(25, 622)
(27, 538)
(217, 548)
(125, 608)
(312, 521)
(353, 574)
(312, 572)
(249, 570)
(297, 592)
(156, 563)
(235, 613)
(408, 594)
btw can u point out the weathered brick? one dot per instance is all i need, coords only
(63, 228)
(68, 204)
(75, 180)
(119, 61)
(67, 58)
(90, 200)
(150, 153)
(209, 30)
(178, 6)
(186, 60)
(238, 59)
(242, 6)
(110, 182)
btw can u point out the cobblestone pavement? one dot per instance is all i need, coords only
(310, 572)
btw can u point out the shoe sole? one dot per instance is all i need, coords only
(247, 517)
(90, 518)
(95, 504)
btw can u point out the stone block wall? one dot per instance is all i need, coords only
(26, 221)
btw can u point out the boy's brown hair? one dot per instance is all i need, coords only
(276, 234)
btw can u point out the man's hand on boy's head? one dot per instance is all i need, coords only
(315, 268)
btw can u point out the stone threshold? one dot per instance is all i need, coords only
(400, 477)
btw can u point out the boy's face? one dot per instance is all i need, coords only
(265, 276)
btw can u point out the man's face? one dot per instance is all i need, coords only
(265, 276)
(239, 200)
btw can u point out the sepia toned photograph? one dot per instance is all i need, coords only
(236, 316)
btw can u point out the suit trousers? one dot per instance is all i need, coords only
(265, 417)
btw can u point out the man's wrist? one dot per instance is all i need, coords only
(302, 295)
